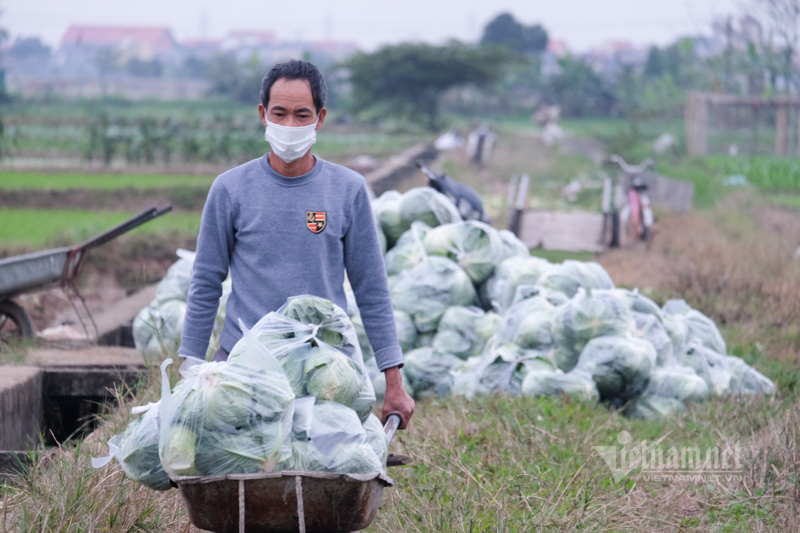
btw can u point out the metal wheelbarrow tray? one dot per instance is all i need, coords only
(291, 501)
(272, 503)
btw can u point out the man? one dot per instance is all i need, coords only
(289, 223)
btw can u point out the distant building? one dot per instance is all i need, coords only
(613, 56)
(142, 43)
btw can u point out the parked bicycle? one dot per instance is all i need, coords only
(630, 211)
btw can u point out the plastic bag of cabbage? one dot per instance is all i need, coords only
(136, 449)
(157, 328)
(395, 212)
(318, 347)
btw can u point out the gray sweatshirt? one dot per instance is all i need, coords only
(285, 237)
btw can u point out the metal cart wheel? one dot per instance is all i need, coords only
(15, 324)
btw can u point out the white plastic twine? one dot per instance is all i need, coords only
(314, 330)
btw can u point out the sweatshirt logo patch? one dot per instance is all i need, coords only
(316, 220)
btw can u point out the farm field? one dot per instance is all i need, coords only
(511, 464)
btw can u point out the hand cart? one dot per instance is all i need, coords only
(288, 501)
(39, 270)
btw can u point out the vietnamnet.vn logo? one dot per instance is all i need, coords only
(651, 462)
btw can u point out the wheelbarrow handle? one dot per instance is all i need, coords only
(393, 422)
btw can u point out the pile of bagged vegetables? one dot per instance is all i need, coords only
(475, 314)
(294, 394)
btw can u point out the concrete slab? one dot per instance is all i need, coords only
(94, 356)
(21, 406)
(566, 231)
(123, 312)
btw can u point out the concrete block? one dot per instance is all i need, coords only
(21, 406)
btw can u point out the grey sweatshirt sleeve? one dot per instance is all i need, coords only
(367, 275)
(214, 246)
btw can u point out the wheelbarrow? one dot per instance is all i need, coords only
(39, 270)
(291, 501)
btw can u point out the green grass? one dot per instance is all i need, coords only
(41, 180)
(39, 227)
(558, 256)
(767, 172)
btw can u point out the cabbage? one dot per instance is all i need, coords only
(569, 276)
(649, 328)
(501, 369)
(747, 380)
(365, 400)
(510, 274)
(157, 328)
(525, 292)
(528, 324)
(178, 452)
(427, 290)
(463, 332)
(329, 375)
(427, 205)
(699, 327)
(576, 383)
(386, 209)
(425, 340)
(619, 366)
(585, 317)
(409, 250)
(376, 438)
(247, 452)
(426, 368)
(175, 285)
(136, 449)
(678, 382)
(475, 246)
(312, 310)
(406, 332)
(713, 367)
(337, 443)
(512, 246)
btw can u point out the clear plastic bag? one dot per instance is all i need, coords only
(157, 328)
(232, 417)
(409, 250)
(136, 449)
(510, 274)
(713, 367)
(699, 328)
(376, 438)
(586, 316)
(569, 276)
(678, 382)
(426, 369)
(396, 212)
(619, 366)
(427, 290)
(649, 328)
(528, 324)
(330, 438)
(654, 408)
(463, 331)
(474, 246)
(512, 246)
(317, 345)
(577, 384)
(747, 380)
(501, 369)
(175, 285)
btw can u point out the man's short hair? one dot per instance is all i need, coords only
(296, 70)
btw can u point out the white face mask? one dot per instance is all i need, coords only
(290, 143)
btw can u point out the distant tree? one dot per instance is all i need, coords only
(410, 79)
(654, 66)
(505, 31)
(238, 81)
(579, 90)
(29, 49)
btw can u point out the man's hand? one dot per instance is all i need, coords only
(396, 400)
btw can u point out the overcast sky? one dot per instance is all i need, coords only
(370, 23)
